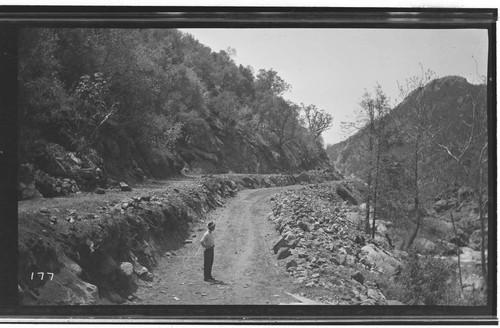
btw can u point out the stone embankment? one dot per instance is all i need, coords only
(322, 247)
(101, 256)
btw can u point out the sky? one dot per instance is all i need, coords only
(332, 68)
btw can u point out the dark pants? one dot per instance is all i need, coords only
(208, 261)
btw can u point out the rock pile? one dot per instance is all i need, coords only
(322, 248)
(54, 171)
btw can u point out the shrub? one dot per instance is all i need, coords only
(425, 279)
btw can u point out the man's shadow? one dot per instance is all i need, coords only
(217, 282)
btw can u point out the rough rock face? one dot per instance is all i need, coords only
(56, 290)
(379, 259)
(57, 172)
(328, 252)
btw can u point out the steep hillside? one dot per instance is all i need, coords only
(424, 166)
(98, 105)
(447, 101)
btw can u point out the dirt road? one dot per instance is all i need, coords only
(244, 260)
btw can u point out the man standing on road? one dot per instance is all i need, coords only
(207, 241)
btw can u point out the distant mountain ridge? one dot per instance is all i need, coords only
(446, 102)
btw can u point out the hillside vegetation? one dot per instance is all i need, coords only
(423, 165)
(96, 104)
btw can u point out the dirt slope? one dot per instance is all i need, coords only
(244, 260)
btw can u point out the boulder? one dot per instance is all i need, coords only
(346, 194)
(441, 206)
(425, 245)
(358, 277)
(66, 289)
(115, 298)
(28, 191)
(147, 276)
(140, 270)
(74, 158)
(375, 256)
(467, 254)
(232, 184)
(304, 226)
(359, 239)
(381, 228)
(125, 187)
(100, 191)
(291, 264)
(126, 268)
(377, 296)
(73, 267)
(283, 253)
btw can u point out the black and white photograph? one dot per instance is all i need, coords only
(342, 166)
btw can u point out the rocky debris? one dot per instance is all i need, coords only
(53, 172)
(54, 187)
(36, 183)
(330, 253)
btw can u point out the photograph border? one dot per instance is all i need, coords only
(13, 18)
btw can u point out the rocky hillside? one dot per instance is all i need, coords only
(324, 247)
(433, 156)
(324, 250)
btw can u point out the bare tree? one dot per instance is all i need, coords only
(414, 126)
(317, 120)
(381, 104)
(371, 125)
(471, 152)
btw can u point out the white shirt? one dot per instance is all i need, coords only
(207, 240)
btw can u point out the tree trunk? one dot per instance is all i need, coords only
(484, 271)
(375, 194)
(416, 199)
(367, 216)
(415, 232)
(368, 201)
(458, 255)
